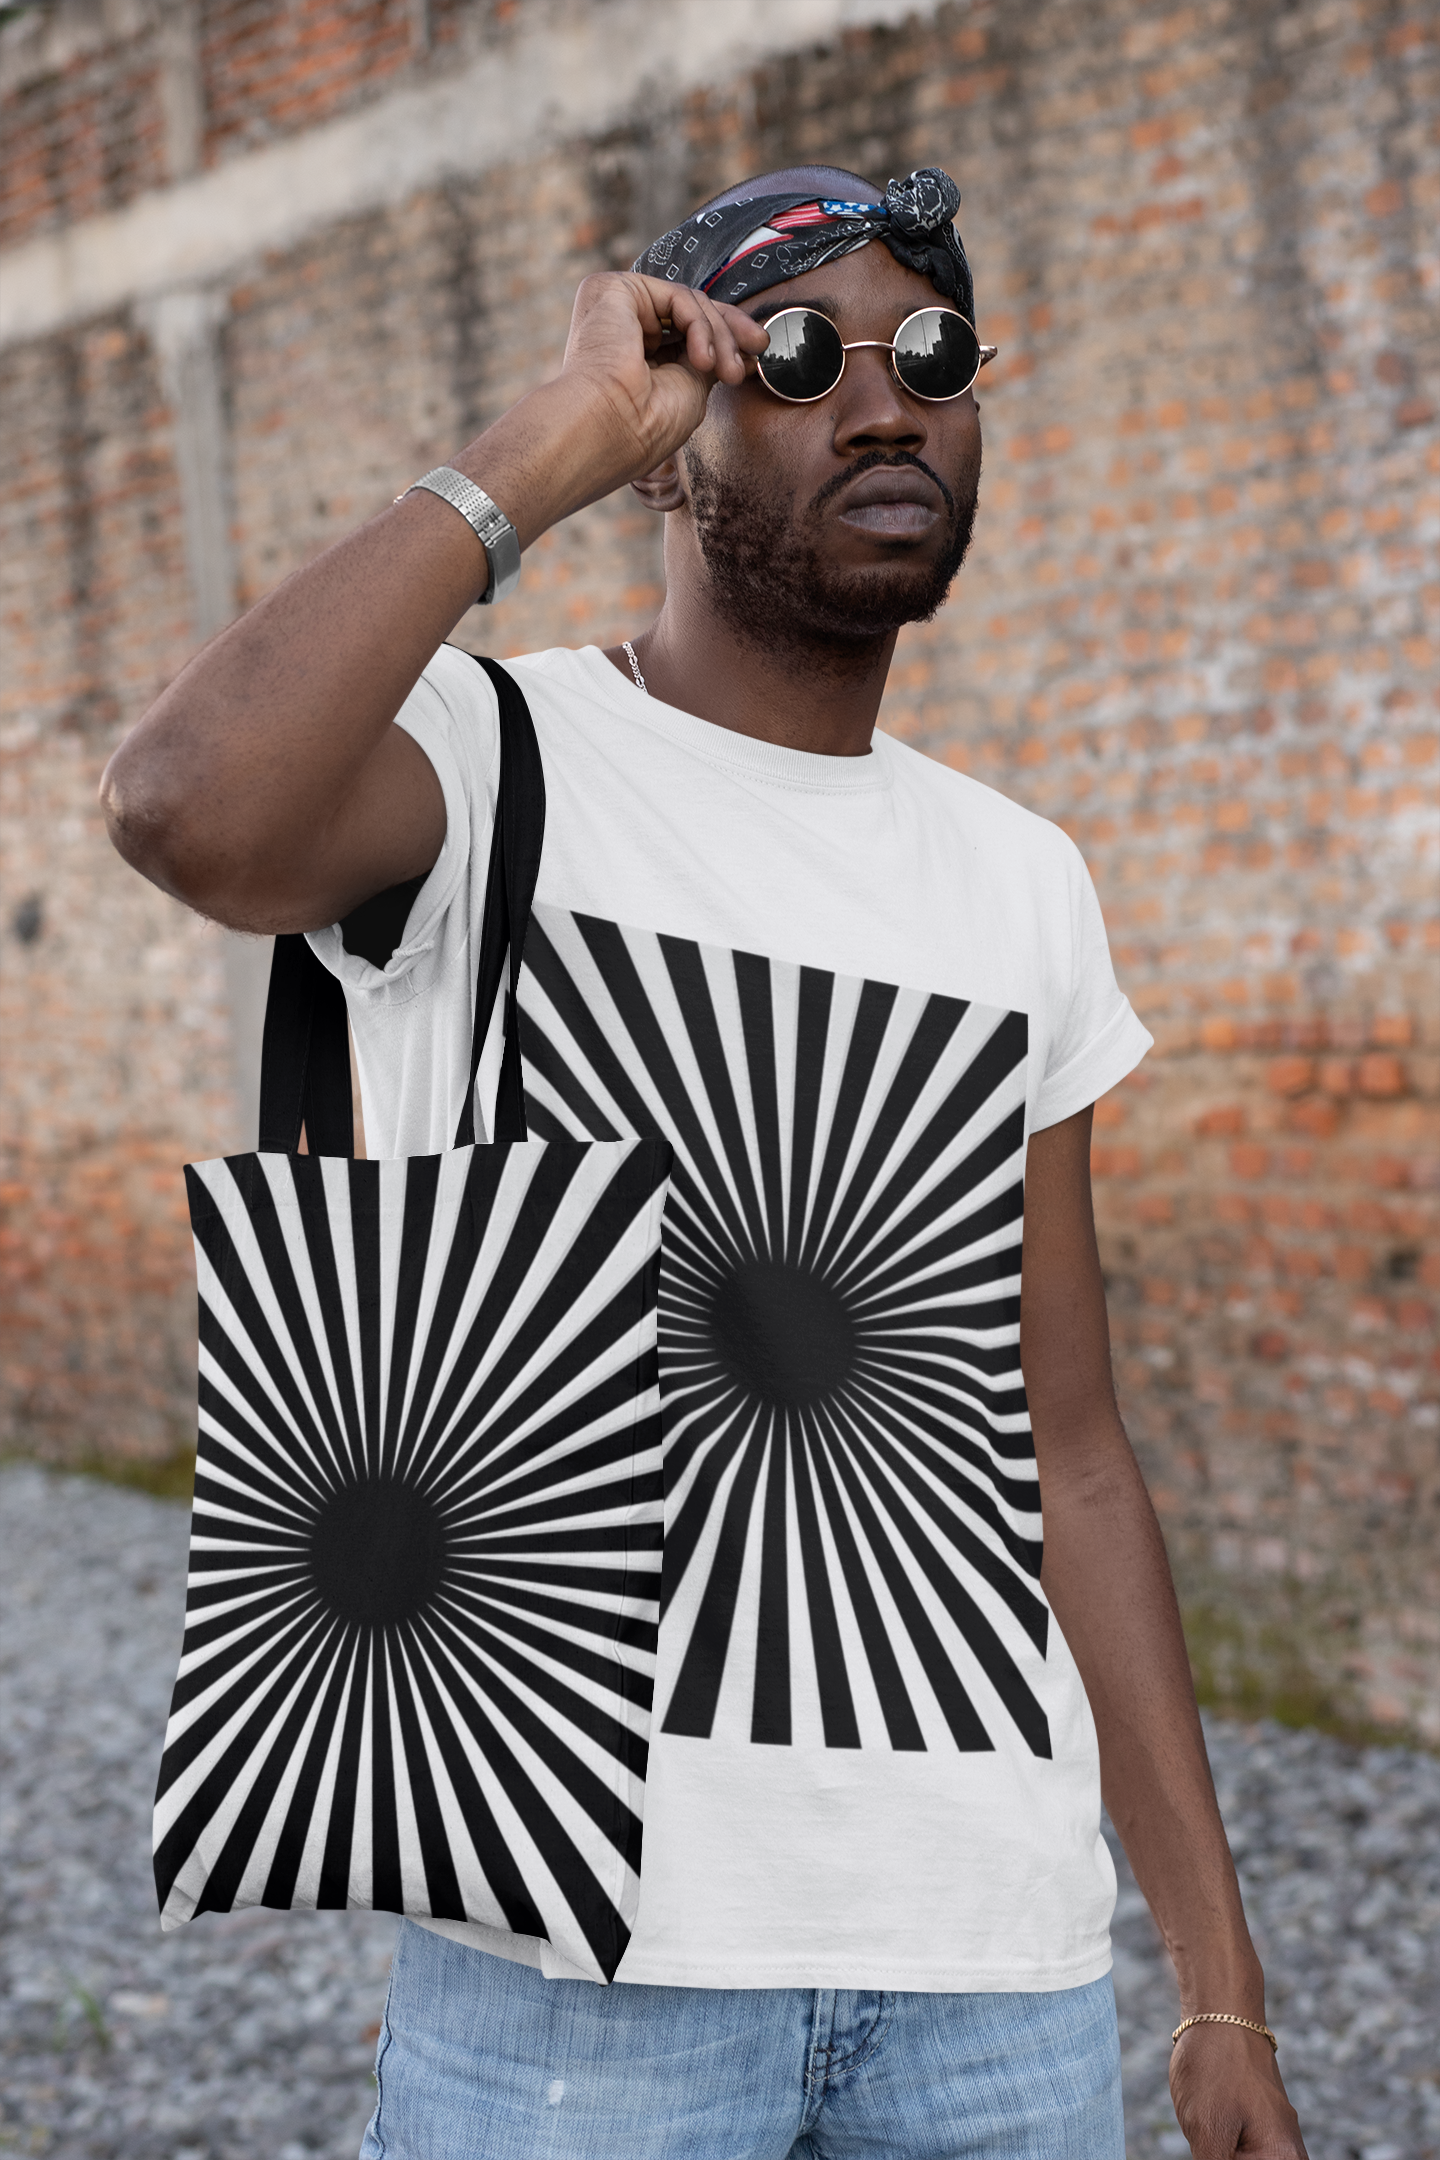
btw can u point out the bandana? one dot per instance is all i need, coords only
(736, 249)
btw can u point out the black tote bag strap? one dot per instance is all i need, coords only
(509, 891)
(305, 1055)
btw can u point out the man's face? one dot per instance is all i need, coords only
(829, 523)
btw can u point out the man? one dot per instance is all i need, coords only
(849, 985)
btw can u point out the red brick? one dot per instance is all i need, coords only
(1116, 1162)
(1317, 1116)
(1384, 199)
(1379, 1075)
(1290, 1076)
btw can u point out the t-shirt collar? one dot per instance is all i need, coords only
(768, 762)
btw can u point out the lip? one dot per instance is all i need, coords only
(892, 503)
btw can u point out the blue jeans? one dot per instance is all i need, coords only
(483, 2059)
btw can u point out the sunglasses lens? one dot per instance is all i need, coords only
(804, 358)
(937, 354)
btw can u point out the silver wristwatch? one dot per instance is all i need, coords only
(490, 525)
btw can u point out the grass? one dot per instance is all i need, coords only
(171, 1478)
(1298, 1715)
(167, 1477)
(81, 1999)
(1253, 1672)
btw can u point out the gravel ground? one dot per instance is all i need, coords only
(249, 2036)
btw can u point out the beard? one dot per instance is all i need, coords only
(770, 580)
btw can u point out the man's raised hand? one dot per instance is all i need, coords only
(649, 354)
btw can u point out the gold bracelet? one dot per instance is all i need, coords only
(1224, 2017)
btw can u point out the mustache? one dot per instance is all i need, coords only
(868, 463)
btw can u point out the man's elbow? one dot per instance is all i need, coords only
(189, 839)
(158, 824)
(150, 822)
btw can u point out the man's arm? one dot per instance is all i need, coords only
(1108, 1582)
(269, 786)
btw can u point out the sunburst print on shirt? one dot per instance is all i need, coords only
(852, 1517)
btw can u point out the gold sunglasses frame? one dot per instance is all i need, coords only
(987, 354)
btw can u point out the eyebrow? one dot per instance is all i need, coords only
(821, 304)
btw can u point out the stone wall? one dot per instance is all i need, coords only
(1198, 630)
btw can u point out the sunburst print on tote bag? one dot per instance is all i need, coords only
(420, 1633)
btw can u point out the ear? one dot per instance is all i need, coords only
(662, 490)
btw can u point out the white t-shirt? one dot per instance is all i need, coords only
(844, 989)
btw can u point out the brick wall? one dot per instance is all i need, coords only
(82, 136)
(88, 89)
(1198, 630)
(116, 1057)
(267, 70)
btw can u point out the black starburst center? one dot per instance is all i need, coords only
(378, 1552)
(782, 1332)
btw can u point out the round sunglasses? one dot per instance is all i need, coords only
(935, 354)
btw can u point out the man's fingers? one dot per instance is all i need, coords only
(700, 344)
(714, 337)
(717, 342)
(732, 336)
(658, 304)
(744, 341)
(660, 381)
(750, 335)
(709, 344)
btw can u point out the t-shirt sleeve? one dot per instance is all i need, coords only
(451, 714)
(1098, 1039)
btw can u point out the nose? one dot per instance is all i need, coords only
(871, 410)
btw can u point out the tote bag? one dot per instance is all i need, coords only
(424, 1559)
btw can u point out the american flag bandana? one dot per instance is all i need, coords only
(735, 249)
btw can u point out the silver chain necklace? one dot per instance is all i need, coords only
(629, 651)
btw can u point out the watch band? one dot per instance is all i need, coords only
(486, 520)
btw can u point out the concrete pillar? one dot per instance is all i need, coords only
(182, 101)
(185, 326)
